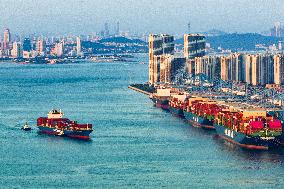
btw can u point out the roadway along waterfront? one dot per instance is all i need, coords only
(134, 145)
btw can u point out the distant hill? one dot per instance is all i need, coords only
(238, 41)
(214, 32)
(241, 41)
(122, 40)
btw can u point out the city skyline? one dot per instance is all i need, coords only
(84, 16)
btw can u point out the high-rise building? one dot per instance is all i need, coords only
(255, 69)
(27, 45)
(158, 45)
(266, 69)
(225, 68)
(247, 68)
(7, 35)
(194, 45)
(208, 65)
(59, 49)
(278, 69)
(40, 47)
(190, 64)
(6, 42)
(6, 39)
(235, 67)
(78, 46)
(262, 69)
(167, 67)
(117, 32)
(16, 51)
(277, 28)
(106, 31)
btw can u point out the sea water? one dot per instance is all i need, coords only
(133, 145)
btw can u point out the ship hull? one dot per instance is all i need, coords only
(198, 121)
(78, 134)
(47, 130)
(84, 134)
(164, 104)
(245, 141)
(176, 111)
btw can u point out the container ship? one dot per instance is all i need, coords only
(162, 96)
(55, 124)
(200, 112)
(244, 124)
(248, 126)
(177, 103)
(279, 114)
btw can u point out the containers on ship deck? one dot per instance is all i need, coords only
(177, 103)
(55, 124)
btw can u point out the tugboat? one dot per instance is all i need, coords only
(26, 127)
(55, 124)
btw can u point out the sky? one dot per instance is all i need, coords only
(150, 16)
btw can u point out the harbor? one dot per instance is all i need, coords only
(130, 137)
(236, 120)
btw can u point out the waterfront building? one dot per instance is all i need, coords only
(27, 45)
(158, 45)
(190, 64)
(208, 65)
(177, 67)
(267, 69)
(255, 69)
(194, 45)
(165, 68)
(59, 49)
(203, 65)
(106, 31)
(262, 69)
(278, 69)
(40, 47)
(26, 54)
(6, 42)
(73, 52)
(117, 32)
(235, 66)
(224, 60)
(16, 51)
(169, 66)
(247, 71)
(78, 46)
(6, 39)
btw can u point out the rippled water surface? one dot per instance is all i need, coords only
(134, 145)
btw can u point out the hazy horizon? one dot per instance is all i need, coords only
(161, 16)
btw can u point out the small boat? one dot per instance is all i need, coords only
(26, 127)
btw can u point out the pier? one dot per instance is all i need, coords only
(142, 88)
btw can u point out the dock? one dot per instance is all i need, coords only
(138, 88)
